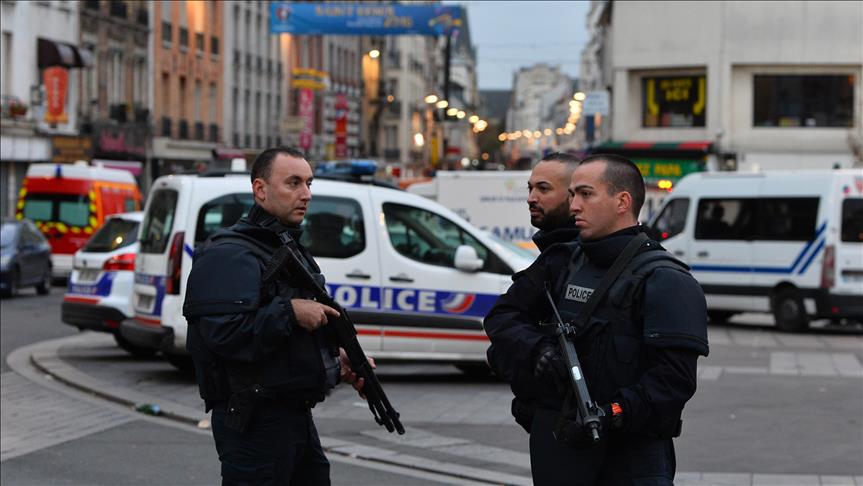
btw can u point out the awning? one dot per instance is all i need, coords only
(55, 53)
(228, 153)
(698, 148)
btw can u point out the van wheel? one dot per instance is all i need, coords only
(133, 349)
(183, 363)
(718, 316)
(44, 287)
(789, 312)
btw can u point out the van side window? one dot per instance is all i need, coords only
(334, 228)
(129, 205)
(852, 220)
(158, 221)
(220, 213)
(432, 239)
(725, 219)
(672, 220)
(787, 219)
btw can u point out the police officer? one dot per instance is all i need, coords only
(548, 199)
(262, 351)
(638, 350)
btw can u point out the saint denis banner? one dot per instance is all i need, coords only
(363, 18)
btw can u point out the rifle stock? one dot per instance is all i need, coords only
(286, 258)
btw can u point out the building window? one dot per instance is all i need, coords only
(197, 107)
(214, 45)
(184, 37)
(167, 32)
(166, 94)
(673, 101)
(803, 101)
(212, 102)
(199, 41)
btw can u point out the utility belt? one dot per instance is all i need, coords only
(242, 404)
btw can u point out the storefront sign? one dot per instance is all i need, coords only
(127, 140)
(667, 168)
(363, 18)
(674, 101)
(307, 114)
(66, 150)
(56, 80)
(341, 126)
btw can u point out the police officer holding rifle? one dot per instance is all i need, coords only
(266, 341)
(599, 339)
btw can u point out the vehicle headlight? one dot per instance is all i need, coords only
(4, 260)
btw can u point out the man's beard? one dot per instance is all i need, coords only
(558, 217)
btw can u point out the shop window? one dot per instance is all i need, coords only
(808, 101)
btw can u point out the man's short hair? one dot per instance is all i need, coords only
(263, 165)
(562, 157)
(621, 174)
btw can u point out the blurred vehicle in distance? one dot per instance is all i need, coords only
(788, 243)
(69, 202)
(25, 258)
(99, 293)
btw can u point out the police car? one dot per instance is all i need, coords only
(417, 279)
(100, 286)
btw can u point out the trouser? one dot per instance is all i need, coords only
(618, 461)
(280, 446)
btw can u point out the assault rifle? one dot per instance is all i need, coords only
(287, 259)
(588, 410)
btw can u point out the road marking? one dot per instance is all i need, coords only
(33, 417)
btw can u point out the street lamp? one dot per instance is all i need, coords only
(452, 111)
(473, 118)
(460, 114)
(431, 99)
(442, 104)
(579, 96)
(374, 53)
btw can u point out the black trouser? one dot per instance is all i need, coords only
(618, 461)
(280, 446)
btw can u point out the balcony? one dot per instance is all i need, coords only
(183, 125)
(214, 132)
(199, 131)
(166, 126)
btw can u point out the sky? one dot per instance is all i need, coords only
(510, 35)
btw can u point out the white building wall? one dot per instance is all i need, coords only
(730, 42)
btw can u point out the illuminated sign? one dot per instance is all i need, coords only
(674, 101)
(363, 19)
(667, 169)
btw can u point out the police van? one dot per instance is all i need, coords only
(788, 243)
(417, 279)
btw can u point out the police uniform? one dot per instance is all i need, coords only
(257, 369)
(638, 352)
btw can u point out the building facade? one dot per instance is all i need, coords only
(762, 87)
(187, 80)
(115, 90)
(38, 42)
(538, 92)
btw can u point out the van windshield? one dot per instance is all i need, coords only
(116, 233)
(70, 209)
(852, 220)
(158, 221)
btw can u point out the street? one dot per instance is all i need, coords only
(772, 408)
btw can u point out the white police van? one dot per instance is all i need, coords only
(416, 278)
(789, 243)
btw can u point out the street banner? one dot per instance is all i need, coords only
(341, 126)
(363, 19)
(307, 114)
(56, 80)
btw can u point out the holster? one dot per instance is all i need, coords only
(240, 407)
(523, 411)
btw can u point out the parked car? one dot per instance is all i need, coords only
(416, 278)
(99, 293)
(25, 259)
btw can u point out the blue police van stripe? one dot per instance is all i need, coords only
(401, 299)
(157, 282)
(102, 288)
(189, 250)
(777, 270)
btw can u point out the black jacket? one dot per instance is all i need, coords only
(543, 239)
(242, 332)
(667, 377)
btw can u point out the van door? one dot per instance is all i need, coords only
(151, 263)
(720, 251)
(848, 278)
(339, 232)
(434, 307)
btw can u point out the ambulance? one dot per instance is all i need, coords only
(69, 202)
(416, 278)
(787, 243)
